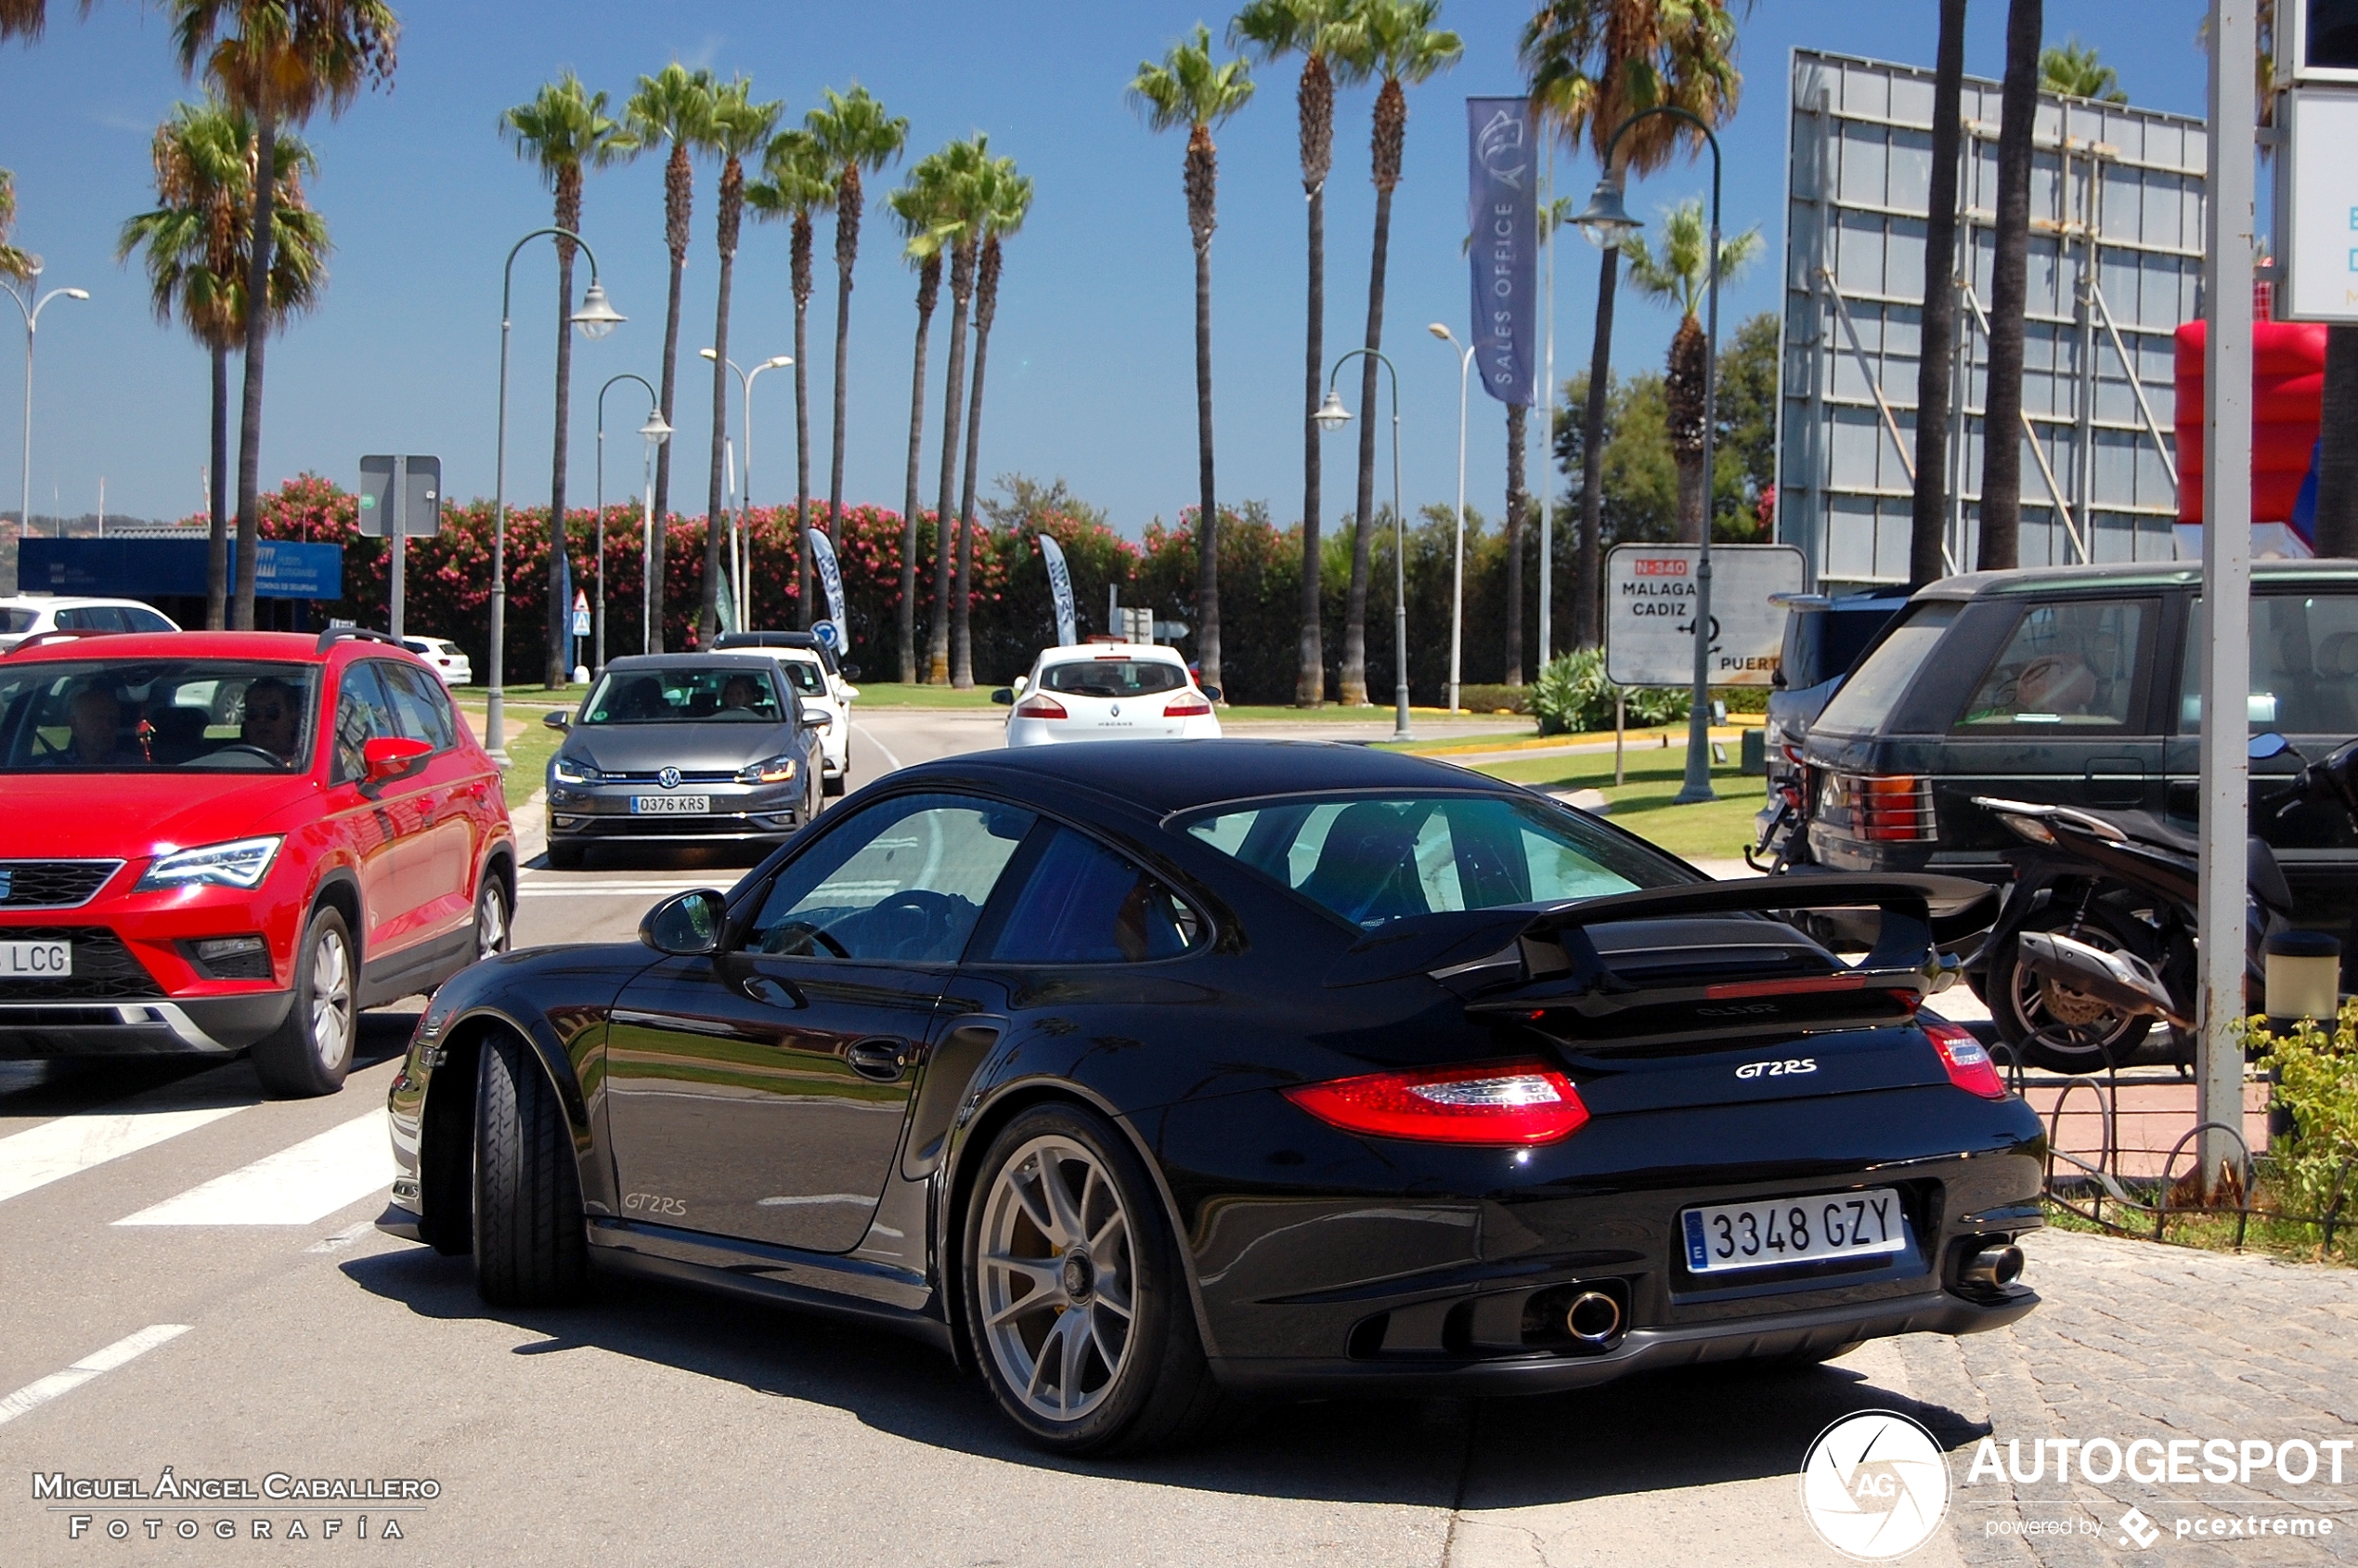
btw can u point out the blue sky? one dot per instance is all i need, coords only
(1091, 358)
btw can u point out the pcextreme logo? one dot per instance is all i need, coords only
(1874, 1486)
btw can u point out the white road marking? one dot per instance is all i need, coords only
(40, 1155)
(35, 1394)
(341, 1239)
(888, 756)
(294, 1186)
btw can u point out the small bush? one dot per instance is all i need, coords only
(1488, 698)
(2316, 1081)
(1571, 695)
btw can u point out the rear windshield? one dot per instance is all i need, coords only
(1371, 860)
(1112, 677)
(1875, 687)
(140, 716)
(714, 694)
(17, 620)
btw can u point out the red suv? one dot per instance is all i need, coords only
(220, 840)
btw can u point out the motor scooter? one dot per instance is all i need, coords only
(2095, 942)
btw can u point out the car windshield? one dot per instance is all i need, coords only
(1874, 688)
(17, 620)
(715, 693)
(117, 715)
(1371, 859)
(1113, 678)
(805, 675)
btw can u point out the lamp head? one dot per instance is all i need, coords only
(704, 354)
(777, 362)
(1332, 414)
(655, 430)
(1437, 329)
(597, 316)
(77, 293)
(1607, 222)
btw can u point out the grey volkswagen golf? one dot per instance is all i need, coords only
(683, 748)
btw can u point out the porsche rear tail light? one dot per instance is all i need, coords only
(1040, 704)
(1889, 808)
(1187, 704)
(1965, 1060)
(1514, 1102)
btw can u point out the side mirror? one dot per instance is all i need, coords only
(2261, 748)
(556, 719)
(685, 924)
(1777, 677)
(1003, 696)
(849, 671)
(813, 718)
(1210, 693)
(388, 757)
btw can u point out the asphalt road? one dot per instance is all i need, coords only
(191, 1284)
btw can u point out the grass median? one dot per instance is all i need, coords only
(1714, 830)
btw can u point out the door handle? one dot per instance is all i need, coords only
(762, 988)
(881, 1060)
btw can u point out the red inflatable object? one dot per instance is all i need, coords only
(2287, 386)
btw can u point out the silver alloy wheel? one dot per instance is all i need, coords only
(2068, 1021)
(491, 921)
(330, 1000)
(1058, 1278)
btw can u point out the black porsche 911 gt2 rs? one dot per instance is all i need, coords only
(1138, 1076)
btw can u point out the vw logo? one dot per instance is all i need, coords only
(669, 778)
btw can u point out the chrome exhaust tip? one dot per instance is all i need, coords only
(1594, 1318)
(1992, 1267)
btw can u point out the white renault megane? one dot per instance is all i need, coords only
(1109, 692)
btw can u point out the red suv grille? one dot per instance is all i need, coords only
(52, 884)
(103, 967)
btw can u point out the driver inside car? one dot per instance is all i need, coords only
(94, 719)
(272, 719)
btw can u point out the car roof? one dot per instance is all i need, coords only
(64, 601)
(289, 646)
(726, 659)
(1082, 653)
(1176, 775)
(2124, 576)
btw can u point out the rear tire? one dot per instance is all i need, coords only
(565, 857)
(310, 1052)
(530, 1246)
(2023, 1005)
(1109, 1360)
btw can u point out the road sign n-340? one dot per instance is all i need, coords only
(1650, 612)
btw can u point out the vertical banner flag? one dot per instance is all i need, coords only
(1502, 218)
(1060, 585)
(823, 561)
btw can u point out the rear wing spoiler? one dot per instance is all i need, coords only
(1522, 963)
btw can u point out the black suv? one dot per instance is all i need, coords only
(1824, 637)
(2079, 686)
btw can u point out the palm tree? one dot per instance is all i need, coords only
(739, 126)
(1592, 64)
(195, 242)
(1002, 197)
(2009, 289)
(671, 109)
(1314, 30)
(794, 185)
(955, 226)
(1396, 40)
(1937, 364)
(854, 133)
(1188, 90)
(566, 130)
(916, 208)
(2074, 72)
(14, 263)
(279, 62)
(1681, 274)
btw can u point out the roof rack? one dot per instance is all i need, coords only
(336, 634)
(64, 634)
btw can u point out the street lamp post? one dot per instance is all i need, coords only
(740, 549)
(1330, 417)
(655, 433)
(596, 319)
(31, 313)
(1458, 571)
(1607, 223)
(597, 644)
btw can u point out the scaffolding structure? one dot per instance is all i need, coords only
(2116, 265)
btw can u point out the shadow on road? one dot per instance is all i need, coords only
(67, 1085)
(1651, 1432)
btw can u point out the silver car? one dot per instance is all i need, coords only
(683, 748)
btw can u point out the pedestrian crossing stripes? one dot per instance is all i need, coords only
(54, 1149)
(131, 1346)
(294, 1186)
